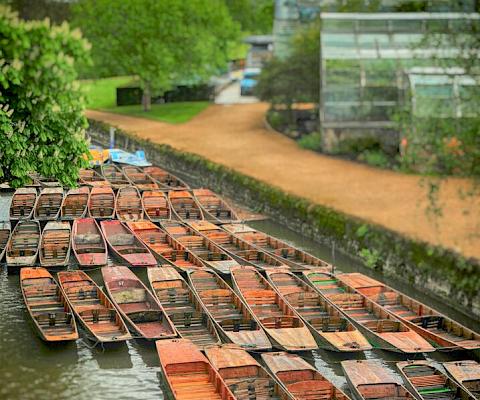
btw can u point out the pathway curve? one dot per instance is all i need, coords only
(234, 135)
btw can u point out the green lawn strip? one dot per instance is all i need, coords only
(173, 113)
(101, 93)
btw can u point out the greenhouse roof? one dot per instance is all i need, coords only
(435, 76)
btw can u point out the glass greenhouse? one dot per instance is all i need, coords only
(370, 61)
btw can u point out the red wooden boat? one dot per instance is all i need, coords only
(91, 177)
(55, 244)
(298, 260)
(214, 207)
(371, 380)
(164, 247)
(302, 380)
(49, 202)
(75, 203)
(139, 178)
(125, 245)
(466, 374)
(183, 307)
(382, 329)
(245, 377)
(188, 373)
(22, 247)
(114, 176)
(240, 250)
(281, 323)
(140, 309)
(427, 382)
(128, 204)
(165, 179)
(92, 307)
(5, 230)
(88, 243)
(329, 327)
(156, 205)
(234, 321)
(101, 203)
(23, 203)
(47, 306)
(211, 255)
(184, 206)
(437, 328)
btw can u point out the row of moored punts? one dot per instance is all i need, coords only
(280, 298)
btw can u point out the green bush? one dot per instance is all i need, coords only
(377, 158)
(41, 107)
(311, 142)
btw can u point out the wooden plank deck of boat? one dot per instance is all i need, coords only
(466, 373)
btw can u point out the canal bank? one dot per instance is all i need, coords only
(442, 273)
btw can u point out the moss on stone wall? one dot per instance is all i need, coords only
(443, 273)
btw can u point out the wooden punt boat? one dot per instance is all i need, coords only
(441, 331)
(46, 304)
(214, 207)
(128, 204)
(188, 373)
(75, 203)
(156, 206)
(382, 329)
(139, 179)
(184, 206)
(92, 307)
(164, 247)
(301, 380)
(91, 177)
(245, 377)
(427, 382)
(235, 322)
(55, 244)
(210, 253)
(165, 179)
(329, 327)
(5, 230)
(22, 248)
(371, 380)
(466, 374)
(285, 329)
(243, 252)
(88, 243)
(49, 202)
(101, 203)
(114, 175)
(183, 307)
(140, 309)
(23, 203)
(125, 245)
(298, 260)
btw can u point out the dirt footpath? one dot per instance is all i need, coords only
(234, 135)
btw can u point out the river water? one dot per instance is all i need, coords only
(31, 369)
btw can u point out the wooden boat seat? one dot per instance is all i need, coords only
(238, 324)
(281, 322)
(312, 390)
(87, 250)
(390, 391)
(429, 322)
(41, 290)
(53, 318)
(88, 238)
(260, 297)
(348, 301)
(329, 324)
(81, 293)
(99, 315)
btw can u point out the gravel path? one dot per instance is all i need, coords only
(234, 135)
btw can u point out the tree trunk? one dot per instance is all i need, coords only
(147, 98)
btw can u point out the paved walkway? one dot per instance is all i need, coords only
(234, 135)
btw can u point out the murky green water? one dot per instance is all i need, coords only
(30, 369)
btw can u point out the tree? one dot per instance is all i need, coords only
(254, 16)
(160, 42)
(56, 11)
(295, 78)
(41, 108)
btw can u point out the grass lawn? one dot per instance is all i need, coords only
(101, 95)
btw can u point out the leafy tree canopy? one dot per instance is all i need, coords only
(161, 42)
(41, 108)
(254, 16)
